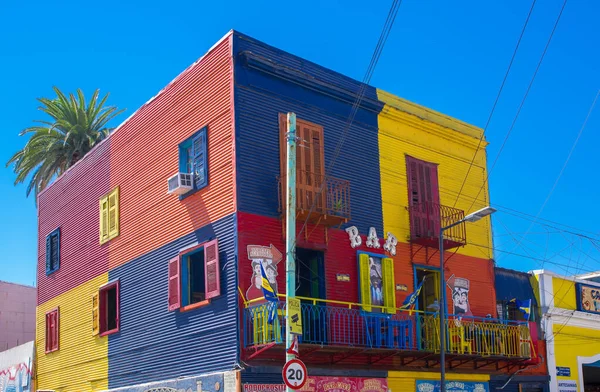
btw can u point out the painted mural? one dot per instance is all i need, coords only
(15, 369)
(269, 257)
(376, 278)
(327, 384)
(460, 296)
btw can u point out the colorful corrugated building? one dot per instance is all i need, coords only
(570, 308)
(140, 288)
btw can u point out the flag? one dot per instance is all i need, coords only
(409, 302)
(523, 306)
(270, 295)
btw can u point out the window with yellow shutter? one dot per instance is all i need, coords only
(377, 283)
(109, 216)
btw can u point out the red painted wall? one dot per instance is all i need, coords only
(139, 157)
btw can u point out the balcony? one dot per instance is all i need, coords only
(330, 207)
(426, 219)
(335, 332)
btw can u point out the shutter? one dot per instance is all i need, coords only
(113, 213)
(282, 145)
(212, 274)
(56, 329)
(318, 167)
(389, 285)
(55, 250)
(174, 287)
(200, 161)
(48, 254)
(48, 332)
(365, 282)
(103, 219)
(95, 314)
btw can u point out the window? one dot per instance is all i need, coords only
(377, 285)
(193, 158)
(423, 197)
(52, 325)
(105, 309)
(53, 251)
(194, 276)
(310, 162)
(109, 216)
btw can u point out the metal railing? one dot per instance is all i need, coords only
(343, 324)
(333, 200)
(427, 218)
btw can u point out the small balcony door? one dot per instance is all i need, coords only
(423, 198)
(429, 303)
(310, 283)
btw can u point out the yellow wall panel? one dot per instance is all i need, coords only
(406, 381)
(409, 129)
(571, 342)
(81, 363)
(564, 293)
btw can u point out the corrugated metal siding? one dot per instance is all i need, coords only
(81, 363)
(259, 98)
(72, 204)
(513, 284)
(155, 344)
(144, 153)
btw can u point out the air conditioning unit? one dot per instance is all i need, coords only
(181, 183)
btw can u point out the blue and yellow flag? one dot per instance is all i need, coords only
(410, 301)
(523, 306)
(270, 295)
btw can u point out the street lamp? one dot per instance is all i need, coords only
(473, 217)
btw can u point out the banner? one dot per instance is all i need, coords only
(588, 298)
(452, 386)
(328, 384)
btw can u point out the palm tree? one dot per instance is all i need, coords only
(75, 128)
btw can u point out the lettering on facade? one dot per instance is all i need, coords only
(567, 386)
(373, 241)
(588, 298)
(327, 384)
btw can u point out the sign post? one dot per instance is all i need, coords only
(294, 374)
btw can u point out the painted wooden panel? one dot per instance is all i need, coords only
(408, 129)
(71, 203)
(157, 344)
(81, 363)
(268, 82)
(144, 153)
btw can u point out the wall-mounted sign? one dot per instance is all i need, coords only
(295, 316)
(372, 240)
(401, 287)
(343, 277)
(588, 298)
(563, 371)
(328, 384)
(269, 257)
(264, 387)
(567, 386)
(460, 296)
(452, 386)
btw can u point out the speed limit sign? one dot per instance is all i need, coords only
(294, 374)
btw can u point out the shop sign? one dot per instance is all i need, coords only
(563, 371)
(373, 241)
(588, 298)
(328, 384)
(567, 386)
(452, 386)
(342, 277)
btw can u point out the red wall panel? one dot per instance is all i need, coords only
(72, 204)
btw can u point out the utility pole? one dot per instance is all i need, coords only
(442, 314)
(290, 228)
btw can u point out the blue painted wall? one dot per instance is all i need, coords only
(269, 81)
(154, 344)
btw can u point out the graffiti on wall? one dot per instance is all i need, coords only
(269, 257)
(15, 378)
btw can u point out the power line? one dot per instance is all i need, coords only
(512, 59)
(566, 161)
(387, 27)
(520, 105)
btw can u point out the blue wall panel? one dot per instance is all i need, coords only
(154, 344)
(269, 81)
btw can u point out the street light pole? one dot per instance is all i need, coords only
(473, 217)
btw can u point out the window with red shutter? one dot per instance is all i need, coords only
(52, 326)
(194, 277)
(108, 296)
(423, 197)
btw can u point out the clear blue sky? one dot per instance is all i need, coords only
(450, 56)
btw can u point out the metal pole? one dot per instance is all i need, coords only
(290, 227)
(442, 316)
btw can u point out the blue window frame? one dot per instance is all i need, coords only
(53, 251)
(193, 158)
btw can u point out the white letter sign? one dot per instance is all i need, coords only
(372, 240)
(355, 239)
(390, 244)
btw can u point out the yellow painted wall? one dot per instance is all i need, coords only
(571, 342)
(406, 128)
(81, 363)
(405, 381)
(564, 293)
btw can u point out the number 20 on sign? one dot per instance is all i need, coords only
(294, 374)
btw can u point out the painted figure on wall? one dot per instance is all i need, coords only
(460, 296)
(15, 379)
(376, 282)
(269, 257)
